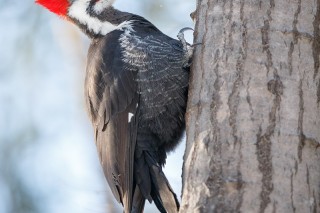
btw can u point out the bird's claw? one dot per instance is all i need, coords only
(185, 29)
(196, 44)
(188, 49)
(181, 35)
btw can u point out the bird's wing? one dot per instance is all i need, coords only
(112, 103)
(162, 86)
(159, 60)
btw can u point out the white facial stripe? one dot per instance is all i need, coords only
(78, 10)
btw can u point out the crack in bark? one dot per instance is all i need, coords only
(316, 41)
(249, 99)
(229, 17)
(308, 179)
(264, 141)
(291, 193)
(265, 43)
(295, 22)
(318, 93)
(272, 4)
(260, 4)
(312, 206)
(265, 37)
(291, 49)
(224, 32)
(275, 86)
(264, 150)
(296, 34)
(234, 99)
(299, 35)
(265, 167)
(225, 45)
(316, 47)
(302, 137)
(241, 70)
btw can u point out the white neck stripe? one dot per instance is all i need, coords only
(78, 11)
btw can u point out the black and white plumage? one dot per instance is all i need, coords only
(137, 106)
(136, 93)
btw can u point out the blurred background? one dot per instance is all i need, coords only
(48, 160)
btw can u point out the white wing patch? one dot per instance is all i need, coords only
(130, 115)
(78, 10)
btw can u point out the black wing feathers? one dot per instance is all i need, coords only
(111, 96)
(162, 84)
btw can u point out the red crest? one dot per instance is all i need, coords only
(59, 7)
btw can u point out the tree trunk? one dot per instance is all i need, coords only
(253, 117)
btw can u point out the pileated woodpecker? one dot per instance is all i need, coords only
(136, 93)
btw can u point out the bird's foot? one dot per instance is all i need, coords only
(188, 49)
(186, 46)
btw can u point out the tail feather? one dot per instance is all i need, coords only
(152, 182)
(142, 174)
(148, 174)
(168, 198)
(155, 192)
(138, 201)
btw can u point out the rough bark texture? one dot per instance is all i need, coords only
(253, 118)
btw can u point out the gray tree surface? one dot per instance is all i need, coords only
(253, 118)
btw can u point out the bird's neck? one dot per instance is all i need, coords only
(98, 18)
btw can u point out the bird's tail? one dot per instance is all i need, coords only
(150, 178)
(167, 198)
(137, 201)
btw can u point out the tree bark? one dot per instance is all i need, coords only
(253, 117)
